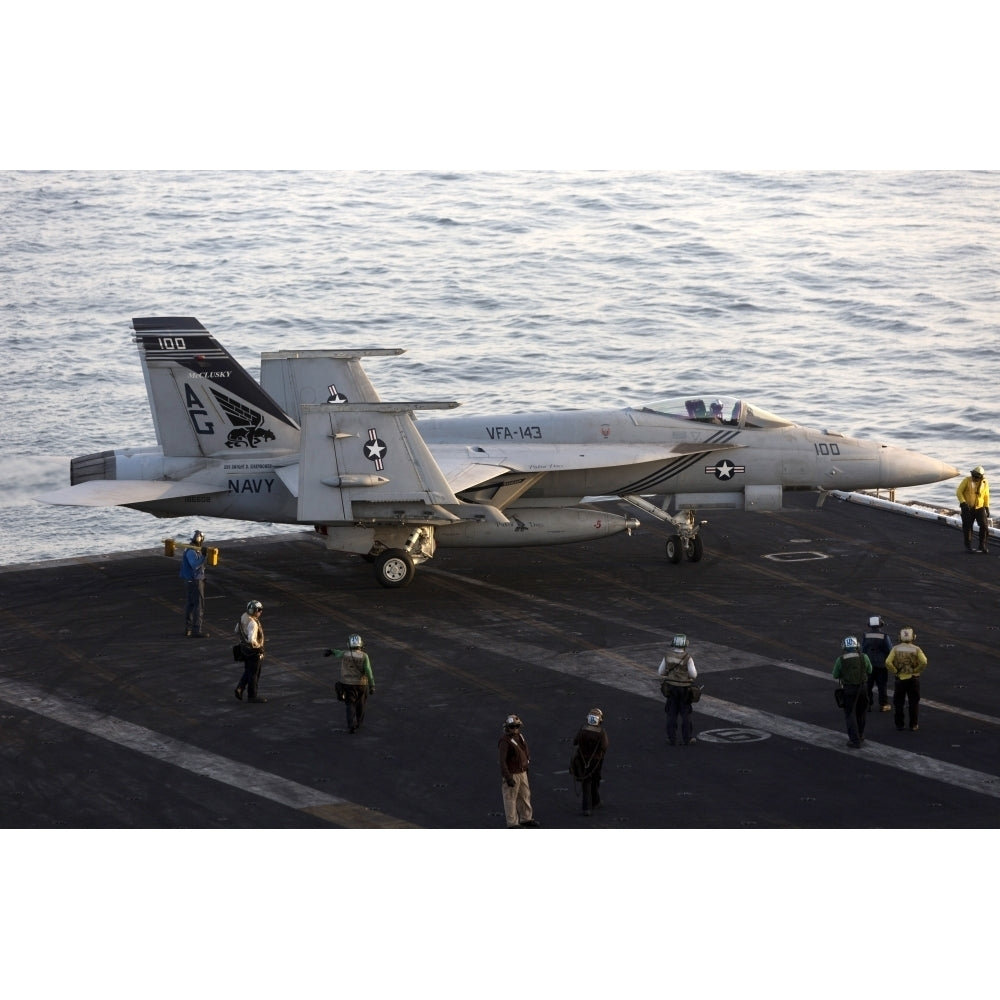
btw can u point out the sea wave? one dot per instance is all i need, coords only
(860, 301)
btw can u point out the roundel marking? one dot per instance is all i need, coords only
(375, 448)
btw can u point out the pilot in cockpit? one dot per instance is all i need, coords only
(716, 412)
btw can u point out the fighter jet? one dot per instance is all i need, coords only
(314, 444)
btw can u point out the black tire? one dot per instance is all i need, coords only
(695, 549)
(394, 568)
(674, 548)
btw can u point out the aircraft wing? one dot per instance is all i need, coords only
(120, 492)
(467, 467)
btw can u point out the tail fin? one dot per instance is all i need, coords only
(369, 462)
(203, 402)
(297, 377)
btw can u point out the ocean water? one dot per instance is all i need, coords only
(861, 302)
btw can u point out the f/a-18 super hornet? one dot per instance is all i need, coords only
(314, 444)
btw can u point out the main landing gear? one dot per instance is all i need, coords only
(394, 563)
(394, 568)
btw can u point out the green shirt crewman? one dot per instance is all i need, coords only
(852, 669)
(356, 682)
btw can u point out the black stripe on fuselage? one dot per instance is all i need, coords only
(675, 467)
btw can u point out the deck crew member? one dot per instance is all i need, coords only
(514, 758)
(591, 742)
(876, 645)
(906, 662)
(193, 574)
(852, 668)
(357, 681)
(679, 674)
(974, 502)
(251, 636)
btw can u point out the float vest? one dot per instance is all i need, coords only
(676, 674)
(352, 667)
(852, 669)
(905, 661)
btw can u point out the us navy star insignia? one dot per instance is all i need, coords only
(375, 448)
(724, 469)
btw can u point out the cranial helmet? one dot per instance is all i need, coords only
(850, 643)
(595, 717)
(354, 641)
(978, 472)
(875, 621)
(197, 538)
(512, 722)
(679, 642)
(254, 608)
(907, 635)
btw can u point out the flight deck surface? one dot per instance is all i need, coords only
(111, 718)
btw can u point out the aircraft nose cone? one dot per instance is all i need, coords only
(909, 468)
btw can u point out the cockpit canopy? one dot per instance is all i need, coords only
(717, 410)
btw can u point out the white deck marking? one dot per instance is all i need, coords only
(633, 669)
(627, 668)
(830, 739)
(189, 758)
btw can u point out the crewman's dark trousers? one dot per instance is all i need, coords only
(855, 711)
(878, 677)
(355, 699)
(590, 787)
(975, 517)
(678, 705)
(194, 610)
(251, 673)
(908, 689)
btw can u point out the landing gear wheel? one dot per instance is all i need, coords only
(694, 550)
(394, 568)
(674, 548)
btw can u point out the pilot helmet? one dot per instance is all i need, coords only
(354, 641)
(875, 621)
(978, 472)
(595, 717)
(907, 635)
(254, 608)
(717, 407)
(850, 644)
(512, 722)
(197, 538)
(679, 642)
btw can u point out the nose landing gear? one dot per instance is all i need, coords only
(687, 545)
(685, 541)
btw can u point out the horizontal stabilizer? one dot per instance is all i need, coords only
(121, 492)
(289, 475)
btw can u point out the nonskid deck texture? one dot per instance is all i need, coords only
(110, 717)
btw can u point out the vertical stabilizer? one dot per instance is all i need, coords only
(202, 401)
